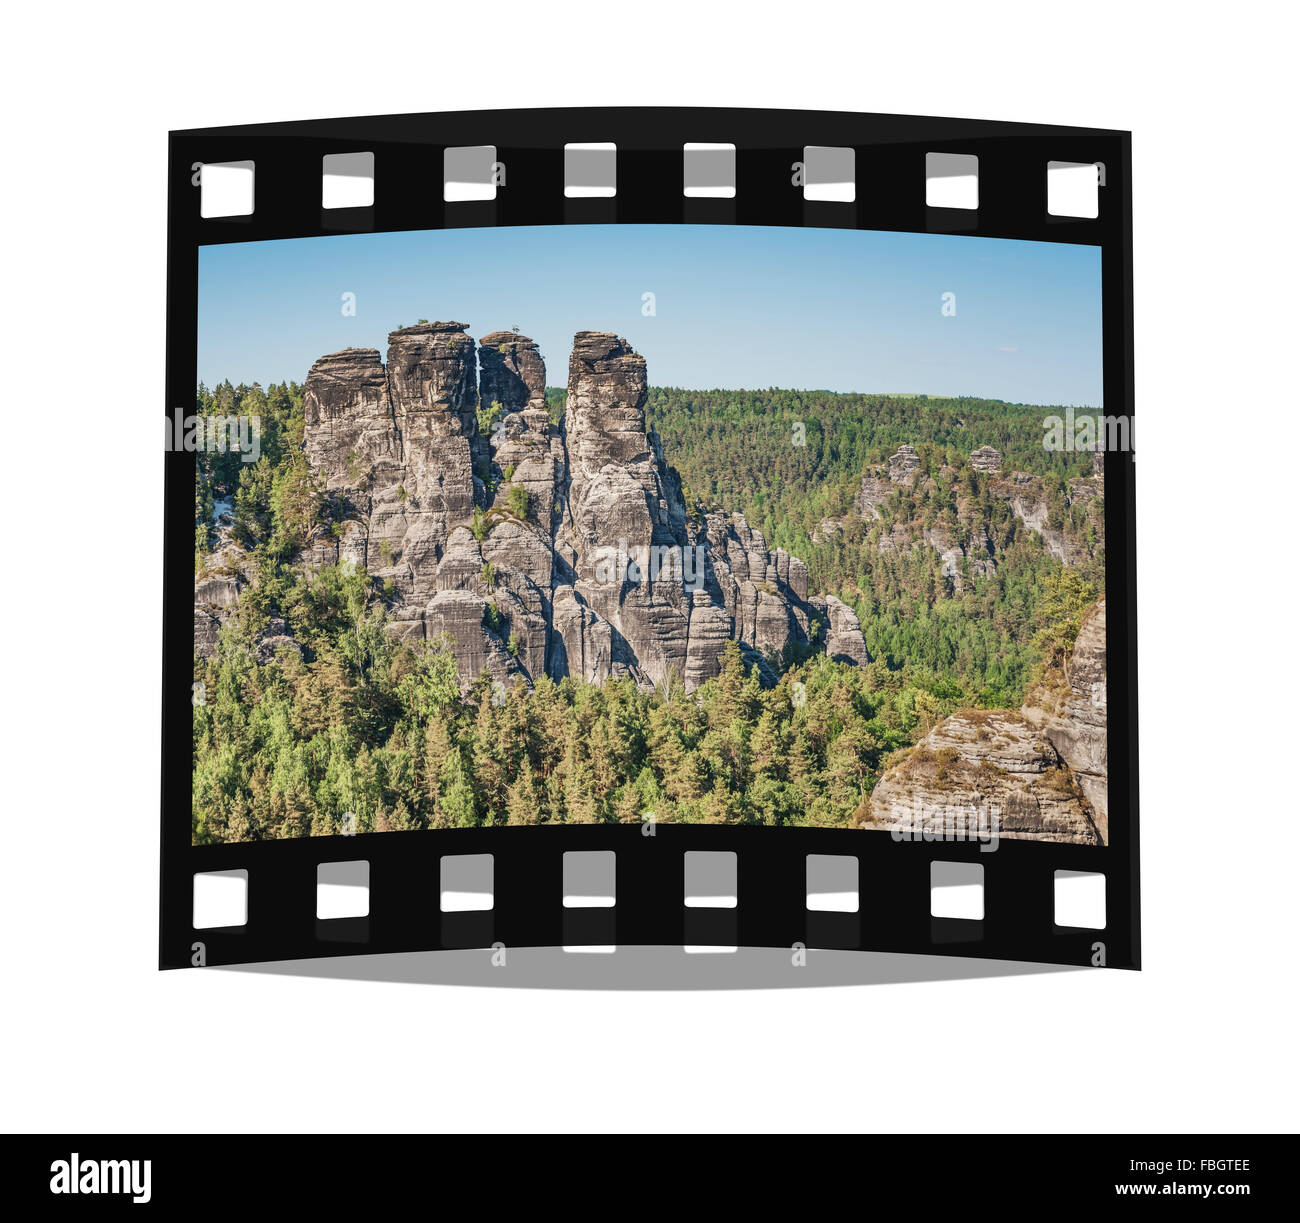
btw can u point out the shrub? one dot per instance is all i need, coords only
(488, 416)
(517, 501)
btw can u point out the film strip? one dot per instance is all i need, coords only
(651, 882)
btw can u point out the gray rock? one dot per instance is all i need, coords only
(1075, 720)
(207, 627)
(904, 464)
(983, 771)
(844, 640)
(602, 576)
(218, 591)
(873, 493)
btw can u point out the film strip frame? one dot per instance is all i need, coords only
(771, 901)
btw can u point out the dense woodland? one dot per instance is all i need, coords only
(363, 733)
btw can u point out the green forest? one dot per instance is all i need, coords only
(360, 732)
(736, 450)
(789, 459)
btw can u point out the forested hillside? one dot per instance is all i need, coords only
(311, 717)
(744, 451)
(745, 446)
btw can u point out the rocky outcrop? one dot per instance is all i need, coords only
(219, 583)
(844, 640)
(904, 464)
(391, 444)
(274, 638)
(207, 631)
(621, 537)
(873, 493)
(511, 372)
(986, 459)
(976, 554)
(1073, 716)
(1037, 774)
(220, 590)
(828, 528)
(533, 548)
(983, 772)
(1027, 495)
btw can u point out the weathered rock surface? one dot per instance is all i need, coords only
(1038, 774)
(621, 533)
(218, 591)
(844, 641)
(511, 371)
(983, 771)
(219, 584)
(207, 628)
(1074, 718)
(275, 637)
(986, 459)
(533, 548)
(873, 494)
(1028, 498)
(904, 464)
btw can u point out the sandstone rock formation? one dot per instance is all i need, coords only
(985, 771)
(844, 641)
(873, 493)
(986, 459)
(535, 548)
(904, 464)
(1073, 717)
(218, 585)
(1038, 774)
(1028, 500)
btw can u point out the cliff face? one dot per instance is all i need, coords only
(540, 549)
(1038, 774)
(618, 611)
(1073, 715)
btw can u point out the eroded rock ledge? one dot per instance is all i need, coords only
(1037, 774)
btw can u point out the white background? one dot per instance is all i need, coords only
(94, 1037)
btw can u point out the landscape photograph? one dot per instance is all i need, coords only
(628, 524)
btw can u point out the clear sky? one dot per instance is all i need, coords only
(735, 307)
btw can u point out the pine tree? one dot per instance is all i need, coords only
(523, 801)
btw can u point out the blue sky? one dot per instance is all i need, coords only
(735, 307)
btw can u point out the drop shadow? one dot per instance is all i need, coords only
(650, 968)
